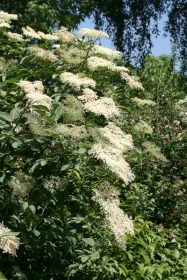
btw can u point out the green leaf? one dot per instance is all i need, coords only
(84, 259)
(64, 167)
(89, 241)
(14, 114)
(2, 277)
(2, 177)
(43, 162)
(130, 256)
(32, 208)
(3, 78)
(11, 233)
(176, 254)
(159, 275)
(33, 168)
(25, 205)
(36, 232)
(81, 151)
(6, 116)
(16, 144)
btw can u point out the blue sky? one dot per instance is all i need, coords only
(161, 44)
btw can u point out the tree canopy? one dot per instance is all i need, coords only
(93, 160)
(130, 23)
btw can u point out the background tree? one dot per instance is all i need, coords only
(131, 24)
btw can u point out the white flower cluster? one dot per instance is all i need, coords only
(76, 82)
(56, 46)
(123, 142)
(143, 127)
(92, 33)
(110, 54)
(9, 244)
(6, 18)
(103, 106)
(14, 36)
(48, 37)
(43, 54)
(142, 102)
(74, 131)
(119, 223)
(112, 157)
(53, 182)
(21, 184)
(64, 35)
(88, 96)
(29, 32)
(94, 62)
(34, 93)
(35, 87)
(132, 81)
(183, 101)
(155, 151)
(5, 24)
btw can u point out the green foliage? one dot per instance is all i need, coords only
(48, 177)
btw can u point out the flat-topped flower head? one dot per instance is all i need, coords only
(118, 222)
(92, 33)
(73, 131)
(132, 81)
(143, 102)
(14, 36)
(6, 17)
(76, 82)
(112, 157)
(5, 24)
(39, 99)
(121, 141)
(143, 127)
(43, 54)
(155, 151)
(34, 93)
(110, 54)
(31, 33)
(64, 36)
(31, 87)
(103, 106)
(9, 244)
(88, 96)
(48, 37)
(95, 62)
(72, 110)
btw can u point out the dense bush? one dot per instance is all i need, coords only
(93, 173)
